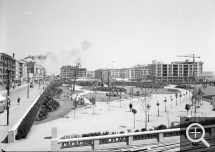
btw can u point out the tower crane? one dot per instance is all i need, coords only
(191, 56)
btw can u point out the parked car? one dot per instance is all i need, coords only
(2, 103)
(19, 84)
(31, 85)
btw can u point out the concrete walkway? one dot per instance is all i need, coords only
(15, 113)
(110, 117)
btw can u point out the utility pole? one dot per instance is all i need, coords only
(108, 78)
(28, 86)
(8, 92)
(145, 111)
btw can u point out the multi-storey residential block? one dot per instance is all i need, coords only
(7, 62)
(176, 71)
(19, 71)
(90, 74)
(69, 71)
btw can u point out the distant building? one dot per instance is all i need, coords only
(7, 62)
(176, 71)
(90, 74)
(68, 72)
(209, 75)
(20, 67)
(36, 70)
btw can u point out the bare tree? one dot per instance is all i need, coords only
(78, 63)
(143, 103)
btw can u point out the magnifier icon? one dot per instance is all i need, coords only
(195, 132)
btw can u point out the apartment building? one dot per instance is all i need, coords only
(90, 74)
(176, 71)
(7, 62)
(20, 71)
(69, 71)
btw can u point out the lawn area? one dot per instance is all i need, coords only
(135, 89)
(159, 91)
(101, 97)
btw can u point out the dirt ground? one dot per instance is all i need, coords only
(66, 105)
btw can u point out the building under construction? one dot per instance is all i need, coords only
(186, 71)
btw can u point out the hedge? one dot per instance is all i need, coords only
(28, 121)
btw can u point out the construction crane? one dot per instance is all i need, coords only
(191, 56)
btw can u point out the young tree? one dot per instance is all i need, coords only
(142, 102)
(93, 101)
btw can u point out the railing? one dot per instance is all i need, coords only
(159, 135)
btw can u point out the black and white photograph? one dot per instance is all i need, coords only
(107, 75)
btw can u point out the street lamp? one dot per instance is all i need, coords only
(28, 85)
(148, 106)
(134, 112)
(176, 96)
(165, 104)
(158, 107)
(171, 100)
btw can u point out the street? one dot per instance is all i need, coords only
(19, 92)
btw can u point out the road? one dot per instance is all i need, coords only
(19, 92)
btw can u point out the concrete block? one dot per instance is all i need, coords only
(95, 144)
(160, 137)
(54, 132)
(54, 145)
(11, 136)
(130, 140)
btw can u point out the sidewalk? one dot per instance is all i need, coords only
(14, 114)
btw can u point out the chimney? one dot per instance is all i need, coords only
(13, 55)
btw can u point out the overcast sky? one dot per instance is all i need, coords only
(102, 31)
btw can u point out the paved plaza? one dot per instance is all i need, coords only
(114, 119)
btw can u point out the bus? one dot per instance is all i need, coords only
(3, 104)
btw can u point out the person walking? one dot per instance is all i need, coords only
(18, 100)
(130, 106)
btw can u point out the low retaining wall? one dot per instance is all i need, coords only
(159, 135)
(13, 131)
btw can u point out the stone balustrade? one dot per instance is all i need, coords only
(159, 135)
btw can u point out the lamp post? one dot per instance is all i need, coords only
(148, 106)
(8, 91)
(176, 96)
(158, 107)
(134, 112)
(171, 100)
(165, 104)
(180, 97)
(28, 85)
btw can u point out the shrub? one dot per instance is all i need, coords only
(137, 130)
(161, 127)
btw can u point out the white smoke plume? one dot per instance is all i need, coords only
(52, 62)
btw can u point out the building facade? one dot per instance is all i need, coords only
(90, 74)
(20, 75)
(176, 71)
(68, 72)
(7, 62)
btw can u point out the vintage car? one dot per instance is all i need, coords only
(3, 104)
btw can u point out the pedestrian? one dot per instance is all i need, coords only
(13, 87)
(8, 102)
(130, 106)
(18, 100)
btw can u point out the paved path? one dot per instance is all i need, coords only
(16, 111)
(114, 118)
